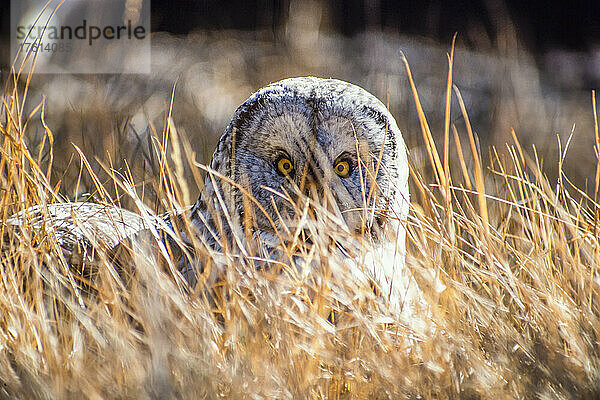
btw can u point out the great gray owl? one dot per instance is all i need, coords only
(325, 139)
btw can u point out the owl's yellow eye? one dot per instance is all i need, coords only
(342, 168)
(285, 166)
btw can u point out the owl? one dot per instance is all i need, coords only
(294, 151)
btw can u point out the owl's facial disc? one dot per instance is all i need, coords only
(296, 154)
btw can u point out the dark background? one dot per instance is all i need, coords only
(542, 26)
(573, 25)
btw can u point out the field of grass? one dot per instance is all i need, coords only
(508, 262)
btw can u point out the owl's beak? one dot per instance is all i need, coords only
(311, 181)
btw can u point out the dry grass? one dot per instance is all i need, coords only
(516, 314)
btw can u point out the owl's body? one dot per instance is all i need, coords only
(322, 141)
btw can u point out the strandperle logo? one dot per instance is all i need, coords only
(83, 32)
(83, 36)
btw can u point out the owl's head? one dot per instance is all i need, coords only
(323, 138)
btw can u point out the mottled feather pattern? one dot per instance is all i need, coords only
(84, 221)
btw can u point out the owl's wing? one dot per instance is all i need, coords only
(81, 223)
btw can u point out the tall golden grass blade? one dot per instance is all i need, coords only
(447, 117)
(479, 181)
(434, 157)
